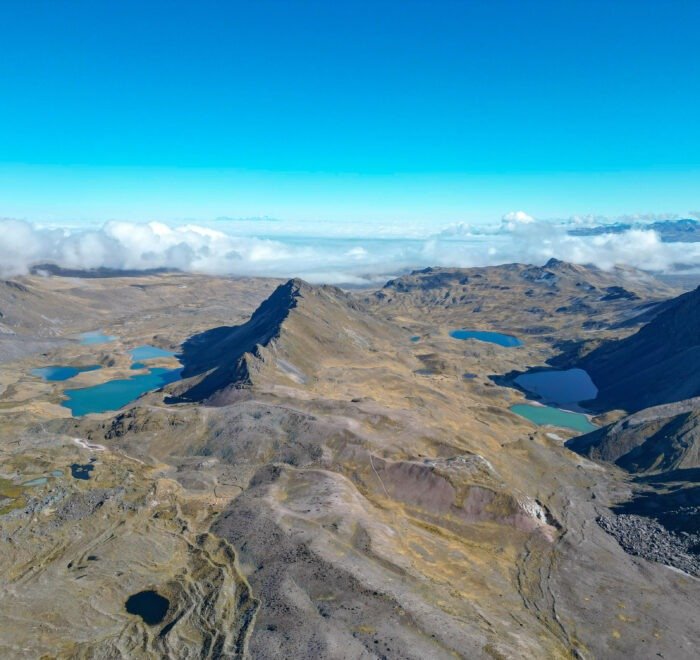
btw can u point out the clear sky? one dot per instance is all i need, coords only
(345, 111)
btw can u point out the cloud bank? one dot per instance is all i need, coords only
(336, 259)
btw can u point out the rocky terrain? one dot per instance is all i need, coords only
(646, 537)
(659, 446)
(324, 481)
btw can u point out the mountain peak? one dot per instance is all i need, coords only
(286, 337)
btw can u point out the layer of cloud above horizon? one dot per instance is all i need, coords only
(199, 248)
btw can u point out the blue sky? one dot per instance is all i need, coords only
(343, 112)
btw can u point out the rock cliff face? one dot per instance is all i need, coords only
(658, 364)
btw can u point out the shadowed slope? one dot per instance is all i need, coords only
(659, 364)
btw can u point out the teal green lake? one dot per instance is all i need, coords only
(546, 415)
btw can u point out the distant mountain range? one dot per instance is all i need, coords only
(59, 271)
(670, 231)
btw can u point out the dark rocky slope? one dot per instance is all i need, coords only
(658, 364)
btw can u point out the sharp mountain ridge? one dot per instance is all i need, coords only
(288, 337)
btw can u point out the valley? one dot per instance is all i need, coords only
(316, 472)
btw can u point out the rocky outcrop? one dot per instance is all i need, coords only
(657, 439)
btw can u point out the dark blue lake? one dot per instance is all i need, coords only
(62, 373)
(560, 387)
(149, 605)
(490, 337)
(115, 394)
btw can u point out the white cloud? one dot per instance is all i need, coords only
(515, 218)
(518, 216)
(338, 259)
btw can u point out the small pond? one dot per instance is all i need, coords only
(81, 472)
(96, 337)
(415, 338)
(548, 416)
(146, 352)
(149, 605)
(115, 394)
(499, 338)
(62, 373)
(39, 481)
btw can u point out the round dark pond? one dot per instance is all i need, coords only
(79, 471)
(149, 605)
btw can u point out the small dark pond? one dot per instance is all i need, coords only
(499, 338)
(79, 471)
(415, 338)
(62, 372)
(149, 605)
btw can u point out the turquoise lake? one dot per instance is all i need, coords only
(62, 373)
(548, 416)
(560, 387)
(96, 337)
(115, 394)
(499, 338)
